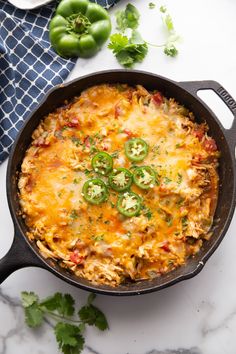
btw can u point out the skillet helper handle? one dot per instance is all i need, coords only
(195, 86)
(18, 256)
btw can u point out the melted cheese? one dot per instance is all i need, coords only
(95, 241)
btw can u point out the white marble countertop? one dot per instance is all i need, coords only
(197, 316)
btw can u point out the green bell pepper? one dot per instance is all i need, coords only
(79, 28)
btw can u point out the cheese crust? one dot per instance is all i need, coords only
(95, 241)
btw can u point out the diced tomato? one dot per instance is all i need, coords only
(117, 111)
(128, 132)
(87, 141)
(76, 258)
(199, 133)
(163, 188)
(197, 159)
(158, 98)
(105, 147)
(165, 247)
(40, 142)
(29, 185)
(210, 145)
(129, 95)
(73, 123)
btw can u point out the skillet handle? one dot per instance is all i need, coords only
(19, 256)
(194, 86)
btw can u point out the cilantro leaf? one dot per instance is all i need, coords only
(128, 51)
(91, 298)
(128, 18)
(136, 38)
(33, 315)
(92, 316)
(151, 5)
(69, 339)
(169, 23)
(120, 21)
(117, 42)
(63, 304)
(33, 312)
(163, 9)
(28, 299)
(67, 349)
(132, 16)
(171, 50)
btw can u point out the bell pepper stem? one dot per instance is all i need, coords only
(78, 23)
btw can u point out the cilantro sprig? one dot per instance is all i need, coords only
(130, 49)
(172, 38)
(69, 330)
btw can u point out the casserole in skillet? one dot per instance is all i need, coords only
(25, 253)
(131, 180)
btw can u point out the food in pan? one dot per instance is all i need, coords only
(120, 184)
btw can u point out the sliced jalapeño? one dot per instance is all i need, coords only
(129, 204)
(120, 179)
(94, 191)
(136, 149)
(102, 163)
(144, 177)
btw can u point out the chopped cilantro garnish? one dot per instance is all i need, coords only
(93, 149)
(76, 141)
(156, 150)
(184, 221)
(128, 234)
(76, 180)
(112, 204)
(87, 172)
(167, 180)
(115, 154)
(64, 128)
(169, 220)
(98, 237)
(180, 201)
(74, 214)
(180, 178)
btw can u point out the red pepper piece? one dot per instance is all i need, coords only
(128, 132)
(117, 111)
(165, 247)
(73, 123)
(199, 133)
(158, 98)
(87, 141)
(210, 145)
(76, 258)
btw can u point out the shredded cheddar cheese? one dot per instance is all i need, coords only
(95, 241)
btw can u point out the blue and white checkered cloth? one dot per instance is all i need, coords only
(28, 66)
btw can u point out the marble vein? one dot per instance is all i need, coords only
(223, 323)
(193, 350)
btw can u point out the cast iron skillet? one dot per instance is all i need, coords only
(23, 253)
